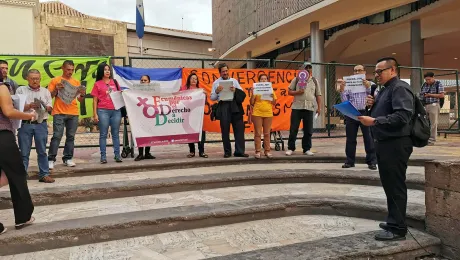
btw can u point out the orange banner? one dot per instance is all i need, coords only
(279, 78)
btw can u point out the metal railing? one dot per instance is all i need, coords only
(331, 124)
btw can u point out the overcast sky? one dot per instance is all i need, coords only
(163, 13)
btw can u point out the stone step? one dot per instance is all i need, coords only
(281, 238)
(88, 230)
(130, 165)
(359, 246)
(57, 212)
(87, 188)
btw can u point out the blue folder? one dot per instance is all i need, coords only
(347, 109)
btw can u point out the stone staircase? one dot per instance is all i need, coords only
(219, 209)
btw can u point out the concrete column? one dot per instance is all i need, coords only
(317, 55)
(250, 64)
(417, 54)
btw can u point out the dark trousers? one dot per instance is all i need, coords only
(236, 121)
(191, 146)
(141, 150)
(11, 163)
(351, 127)
(392, 157)
(306, 116)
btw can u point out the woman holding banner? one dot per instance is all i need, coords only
(262, 116)
(11, 165)
(192, 83)
(105, 113)
(144, 80)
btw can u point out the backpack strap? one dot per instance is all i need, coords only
(116, 84)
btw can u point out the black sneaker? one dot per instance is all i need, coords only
(118, 160)
(372, 167)
(244, 155)
(2, 229)
(347, 165)
(149, 157)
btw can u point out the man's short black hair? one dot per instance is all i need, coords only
(429, 75)
(221, 65)
(309, 66)
(390, 61)
(3, 62)
(68, 62)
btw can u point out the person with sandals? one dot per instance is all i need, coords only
(148, 156)
(262, 117)
(11, 164)
(193, 83)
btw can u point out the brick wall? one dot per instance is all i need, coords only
(94, 31)
(76, 43)
(442, 199)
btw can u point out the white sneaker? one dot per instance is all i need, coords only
(289, 152)
(309, 153)
(70, 163)
(51, 165)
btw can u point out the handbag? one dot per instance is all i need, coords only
(3, 179)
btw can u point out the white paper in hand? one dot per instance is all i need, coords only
(226, 94)
(117, 99)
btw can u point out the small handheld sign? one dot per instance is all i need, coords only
(303, 76)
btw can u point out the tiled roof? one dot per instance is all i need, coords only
(59, 8)
(55, 7)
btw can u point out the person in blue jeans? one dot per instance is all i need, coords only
(65, 115)
(104, 111)
(37, 129)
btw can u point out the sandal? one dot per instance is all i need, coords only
(269, 155)
(203, 155)
(23, 225)
(191, 155)
(257, 155)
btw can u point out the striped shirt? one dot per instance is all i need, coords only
(356, 99)
(435, 88)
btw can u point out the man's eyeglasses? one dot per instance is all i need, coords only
(379, 71)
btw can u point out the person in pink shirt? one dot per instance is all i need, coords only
(192, 83)
(105, 113)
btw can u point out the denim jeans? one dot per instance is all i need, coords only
(70, 123)
(108, 118)
(38, 132)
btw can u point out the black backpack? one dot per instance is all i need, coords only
(441, 100)
(421, 128)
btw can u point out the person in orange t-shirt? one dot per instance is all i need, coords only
(64, 116)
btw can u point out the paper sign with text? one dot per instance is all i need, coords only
(355, 83)
(263, 88)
